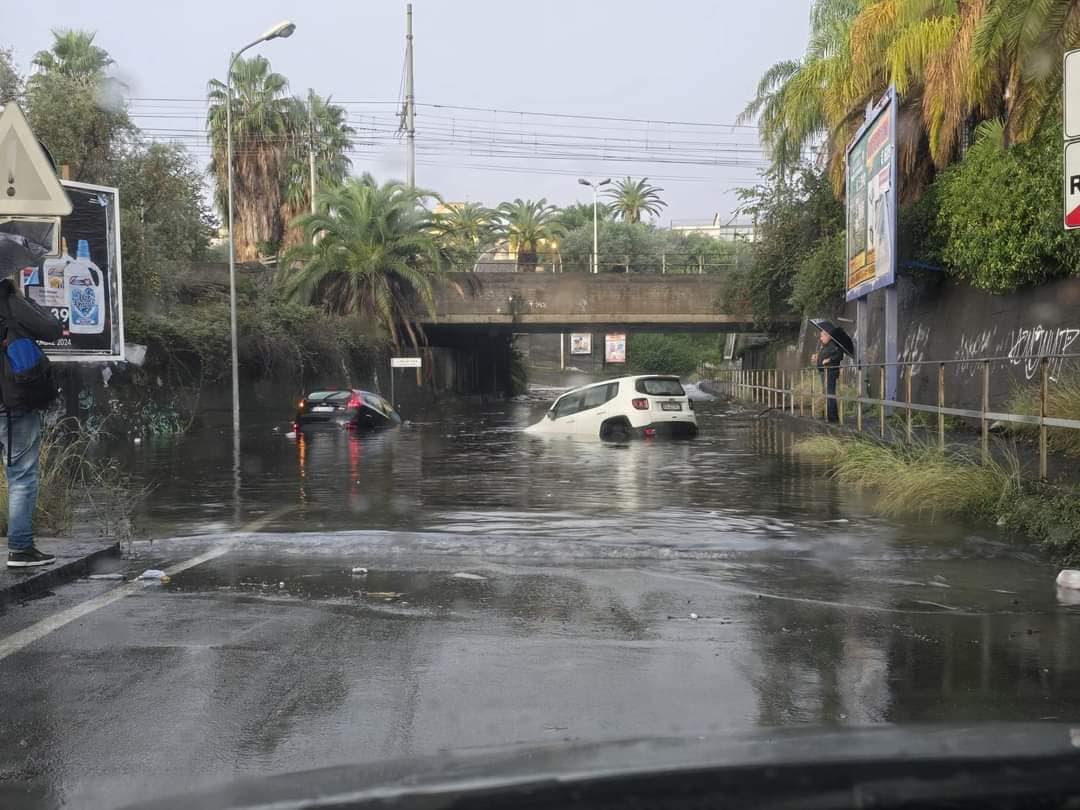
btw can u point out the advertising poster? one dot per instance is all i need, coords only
(82, 286)
(615, 347)
(581, 343)
(871, 203)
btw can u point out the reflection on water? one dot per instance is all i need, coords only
(838, 615)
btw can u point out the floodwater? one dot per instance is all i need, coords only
(919, 620)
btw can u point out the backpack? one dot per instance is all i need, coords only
(26, 377)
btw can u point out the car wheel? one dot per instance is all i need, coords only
(615, 430)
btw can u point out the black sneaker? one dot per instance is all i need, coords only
(29, 558)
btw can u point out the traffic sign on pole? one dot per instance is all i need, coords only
(405, 362)
(1072, 185)
(28, 185)
(1072, 95)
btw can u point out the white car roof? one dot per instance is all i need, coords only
(631, 377)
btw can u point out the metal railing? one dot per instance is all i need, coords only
(801, 391)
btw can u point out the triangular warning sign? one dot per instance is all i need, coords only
(1072, 219)
(28, 185)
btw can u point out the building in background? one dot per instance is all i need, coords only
(729, 231)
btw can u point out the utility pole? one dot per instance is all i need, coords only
(311, 148)
(595, 220)
(410, 101)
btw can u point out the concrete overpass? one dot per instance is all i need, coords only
(505, 303)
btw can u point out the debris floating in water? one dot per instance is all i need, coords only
(106, 576)
(154, 575)
(465, 575)
(359, 570)
(1069, 578)
(291, 434)
(694, 616)
(385, 595)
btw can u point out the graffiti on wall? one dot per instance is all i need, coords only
(1028, 345)
(972, 348)
(914, 350)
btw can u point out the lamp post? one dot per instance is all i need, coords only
(280, 31)
(595, 228)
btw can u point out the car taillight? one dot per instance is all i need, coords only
(640, 404)
(354, 401)
(649, 432)
(301, 405)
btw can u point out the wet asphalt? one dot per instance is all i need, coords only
(759, 596)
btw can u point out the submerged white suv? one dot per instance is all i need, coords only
(617, 410)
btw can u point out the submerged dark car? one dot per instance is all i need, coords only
(345, 408)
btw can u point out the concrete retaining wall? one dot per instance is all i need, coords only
(944, 321)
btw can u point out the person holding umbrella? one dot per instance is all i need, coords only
(834, 343)
(26, 388)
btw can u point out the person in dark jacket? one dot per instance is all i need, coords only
(20, 433)
(828, 358)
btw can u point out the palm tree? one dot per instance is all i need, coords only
(315, 124)
(580, 215)
(529, 225)
(262, 138)
(375, 255)
(799, 101)
(1017, 59)
(465, 231)
(629, 200)
(73, 55)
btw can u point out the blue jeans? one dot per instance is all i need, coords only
(22, 475)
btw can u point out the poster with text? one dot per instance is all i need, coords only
(581, 343)
(82, 286)
(871, 202)
(615, 347)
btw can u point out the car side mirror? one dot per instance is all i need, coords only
(551, 414)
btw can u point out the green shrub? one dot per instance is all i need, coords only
(818, 288)
(670, 354)
(1000, 212)
(1051, 517)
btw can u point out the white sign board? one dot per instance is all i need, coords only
(83, 287)
(1072, 185)
(1072, 95)
(405, 362)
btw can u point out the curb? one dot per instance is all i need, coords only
(55, 575)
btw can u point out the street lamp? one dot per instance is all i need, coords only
(282, 30)
(595, 229)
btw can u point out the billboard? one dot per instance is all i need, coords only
(615, 347)
(82, 286)
(871, 202)
(580, 343)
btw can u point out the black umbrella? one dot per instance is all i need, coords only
(17, 252)
(837, 333)
(24, 243)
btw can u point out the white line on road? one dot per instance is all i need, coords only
(17, 641)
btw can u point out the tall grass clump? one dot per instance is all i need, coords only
(1062, 401)
(918, 478)
(74, 484)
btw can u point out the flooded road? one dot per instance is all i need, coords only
(516, 591)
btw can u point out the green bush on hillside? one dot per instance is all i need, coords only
(818, 287)
(670, 354)
(1000, 213)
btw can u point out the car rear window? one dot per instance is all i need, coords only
(660, 387)
(327, 396)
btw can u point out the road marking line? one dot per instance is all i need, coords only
(28, 635)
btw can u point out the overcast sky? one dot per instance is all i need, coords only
(694, 62)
